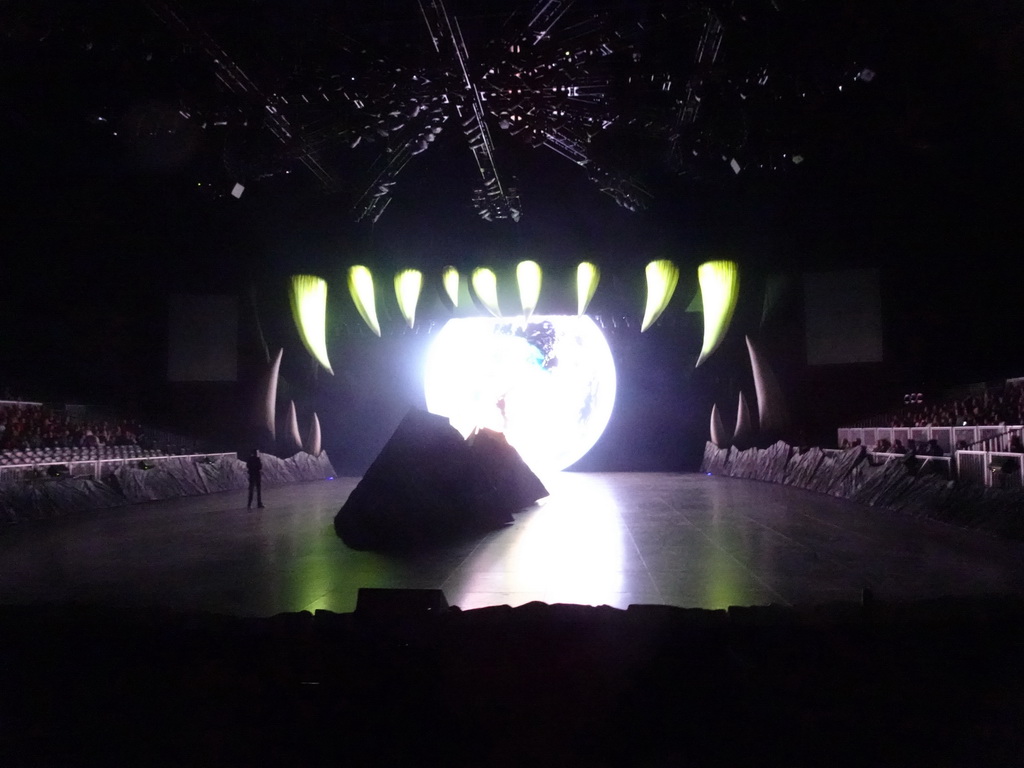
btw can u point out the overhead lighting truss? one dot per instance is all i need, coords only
(576, 79)
(491, 200)
(234, 79)
(704, 60)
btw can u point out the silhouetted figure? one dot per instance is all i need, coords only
(255, 466)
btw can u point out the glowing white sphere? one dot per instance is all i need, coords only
(548, 385)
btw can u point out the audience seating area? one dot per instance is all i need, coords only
(1003, 404)
(35, 426)
(37, 440)
(981, 436)
(51, 455)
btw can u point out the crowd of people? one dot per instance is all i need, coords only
(912, 447)
(1006, 407)
(33, 427)
(930, 448)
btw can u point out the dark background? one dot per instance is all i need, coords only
(915, 173)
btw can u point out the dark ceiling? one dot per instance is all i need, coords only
(796, 131)
(644, 129)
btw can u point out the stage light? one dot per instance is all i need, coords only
(528, 275)
(662, 277)
(587, 278)
(309, 310)
(360, 285)
(550, 387)
(450, 278)
(408, 284)
(719, 289)
(485, 283)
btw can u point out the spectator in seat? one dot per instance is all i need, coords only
(934, 449)
(898, 447)
(1016, 446)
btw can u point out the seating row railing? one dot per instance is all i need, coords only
(942, 464)
(161, 439)
(97, 468)
(999, 469)
(50, 455)
(987, 462)
(990, 437)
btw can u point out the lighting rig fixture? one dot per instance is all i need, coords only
(590, 83)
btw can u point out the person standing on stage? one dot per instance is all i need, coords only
(255, 467)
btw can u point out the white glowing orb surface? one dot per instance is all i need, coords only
(548, 385)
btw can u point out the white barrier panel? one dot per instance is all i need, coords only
(97, 468)
(1005, 469)
(997, 435)
(972, 467)
(945, 462)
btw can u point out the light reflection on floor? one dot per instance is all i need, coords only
(616, 539)
(569, 549)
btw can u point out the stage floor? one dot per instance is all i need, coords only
(604, 538)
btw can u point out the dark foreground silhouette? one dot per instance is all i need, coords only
(938, 683)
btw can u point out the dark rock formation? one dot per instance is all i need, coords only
(429, 485)
(802, 467)
(934, 683)
(914, 485)
(149, 480)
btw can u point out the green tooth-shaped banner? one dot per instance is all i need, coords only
(360, 285)
(485, 284)
(528, 275)
(719, 290)
(309, 310)
(662, 278)
(450, 278)
(587, 278)
(408, 284)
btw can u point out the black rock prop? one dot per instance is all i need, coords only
(428, 485)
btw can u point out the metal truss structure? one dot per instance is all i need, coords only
(565, 76)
